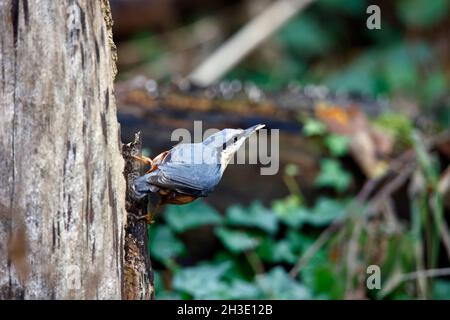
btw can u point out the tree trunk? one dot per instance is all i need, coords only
(62, 192)
(137, 268)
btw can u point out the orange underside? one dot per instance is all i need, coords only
(176, 198)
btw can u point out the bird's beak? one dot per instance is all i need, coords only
(249, 131)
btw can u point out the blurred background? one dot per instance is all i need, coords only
(363, 116)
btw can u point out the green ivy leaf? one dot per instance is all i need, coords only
(313, 127)
(320, 275)
(306, 36)
(276, 284)
(236, 241)
(277, 251)
(337, 144)
(290, 211)
(164, 244)
(265, 250)
(192, 215)
(333, 175)
(203, 281)
(298, 241)
(283, 252)
(326, 210)
(255, 216)
(295, 218)
(239, 290)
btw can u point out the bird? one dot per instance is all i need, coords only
(189, 170)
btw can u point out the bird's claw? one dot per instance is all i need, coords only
(147, 217)
(146, 161)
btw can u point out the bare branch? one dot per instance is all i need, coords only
(246, 40)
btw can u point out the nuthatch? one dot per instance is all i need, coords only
(190, 170)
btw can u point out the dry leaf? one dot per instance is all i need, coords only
(368, 146)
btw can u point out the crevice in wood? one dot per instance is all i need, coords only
(137, 269)
(109, 23)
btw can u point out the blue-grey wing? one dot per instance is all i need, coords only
(197, 180)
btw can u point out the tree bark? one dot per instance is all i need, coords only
(137, 268)
(62, 192)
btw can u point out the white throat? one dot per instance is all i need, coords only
(225, 160)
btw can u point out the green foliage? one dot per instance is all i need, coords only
(203, 281)
(435, 87)
(397, 125)
(400, 71)
(254, 216)
(299, 241)
(422, 13)
(358, 76)
(355, 8)
(282, 251)
(341, 53)
(250, 236)
(325, 211)
(313, 127)
(315, 40)
(236, 241)
(289, 211)
(240, 290)
(207, 281)
(337, 144)
(192, 215)
(391, 69)
(441, 290)
(262, 244)
(333, 175)
(257, 244)
(257, 255)
(163, 243)
(276, 284)
(321, 275)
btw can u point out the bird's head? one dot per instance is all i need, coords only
(228, 141)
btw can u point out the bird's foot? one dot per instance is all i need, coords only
(146, 161)
(147, 217)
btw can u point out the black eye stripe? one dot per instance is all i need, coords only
(235, 139)
(224, 145)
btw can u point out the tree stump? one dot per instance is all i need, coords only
(62, 195)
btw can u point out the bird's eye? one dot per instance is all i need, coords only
(235, 139)
(224, 145)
